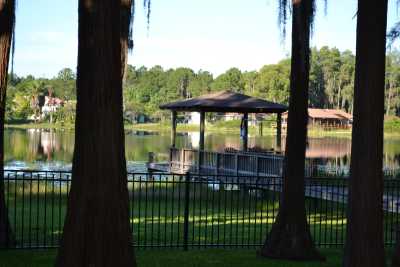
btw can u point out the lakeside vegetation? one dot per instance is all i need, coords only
(331, 85)
(391, 127)
(290, 236)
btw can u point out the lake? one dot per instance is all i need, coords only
(41, 149)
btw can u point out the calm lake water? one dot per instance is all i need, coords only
(53, 149)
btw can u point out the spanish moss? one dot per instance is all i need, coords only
(393, 34)
(147, 8)
(14, 3)
(131, 18)
(285, 9)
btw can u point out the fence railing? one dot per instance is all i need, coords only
(189, 211)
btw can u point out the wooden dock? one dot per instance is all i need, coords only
(221, 163)
(255, 170)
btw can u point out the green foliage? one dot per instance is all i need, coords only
(221, 124)
(331, 86)
(332, 79)
(392, 124)
(66, 114)
(273, 82)
(230, 80)
(19, 108)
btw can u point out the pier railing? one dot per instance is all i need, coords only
(251, 164)
(190, 211)
(236, 163)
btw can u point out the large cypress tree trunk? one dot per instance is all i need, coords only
(7, 20)
(290, 236)
(364, 240)
(96, 231)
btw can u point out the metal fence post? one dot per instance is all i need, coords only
(186, 213)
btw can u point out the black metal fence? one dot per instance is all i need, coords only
(189, 211)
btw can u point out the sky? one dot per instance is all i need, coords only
(212, 35)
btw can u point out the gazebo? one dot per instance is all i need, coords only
(225, 102)
(240, 162)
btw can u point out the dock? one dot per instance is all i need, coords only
(238, 163)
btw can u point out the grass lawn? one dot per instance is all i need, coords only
(227, 218)
(231, 218)
(175, 258)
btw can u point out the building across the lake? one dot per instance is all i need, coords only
(325, 118)
(51, 104)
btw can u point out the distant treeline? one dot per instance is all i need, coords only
(331, 85)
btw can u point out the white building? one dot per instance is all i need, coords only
(194, 118)
(51, 104)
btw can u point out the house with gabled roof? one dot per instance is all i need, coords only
(325, 118)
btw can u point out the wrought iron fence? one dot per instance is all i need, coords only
(189, 211)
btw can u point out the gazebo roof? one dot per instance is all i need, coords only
(226, 101)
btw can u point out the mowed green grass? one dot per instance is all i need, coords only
(175, 258)
(229, 218)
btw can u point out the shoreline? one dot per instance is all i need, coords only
(211, 128)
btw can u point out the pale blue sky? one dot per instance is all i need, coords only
(211, 35)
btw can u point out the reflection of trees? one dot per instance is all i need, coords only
(328, 147)
(138, 146)
(18, 146)
(44, 145)
(38, 145)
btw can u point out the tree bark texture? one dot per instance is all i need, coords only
(364, 240)
(390, 89)
(97, 231)
(7, 20)
(290, 237)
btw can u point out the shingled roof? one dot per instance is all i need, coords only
(226, 101)
(318, 113)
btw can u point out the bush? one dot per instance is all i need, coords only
(392, 124)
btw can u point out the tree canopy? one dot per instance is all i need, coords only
(331, 85)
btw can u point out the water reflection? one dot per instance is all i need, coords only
(50, 149)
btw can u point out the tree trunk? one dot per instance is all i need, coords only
(290, 237)
(7, 20)
(96, 230)
(389, 97)
(338, 97)
(364, 240)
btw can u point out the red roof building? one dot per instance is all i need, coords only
(326, 118)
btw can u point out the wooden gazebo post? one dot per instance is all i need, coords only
(202, 127)
(201, 141)
(278, 130)
(173, 131)
(245, 131)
